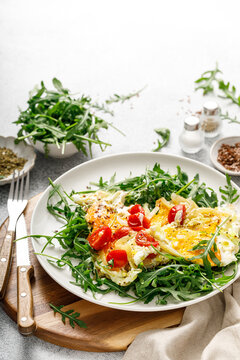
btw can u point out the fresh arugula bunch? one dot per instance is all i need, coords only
(56, 117)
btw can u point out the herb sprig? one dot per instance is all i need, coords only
(165, 135)
(57, 117)
(226, 90)
(69, 314)
(122, 98)
(230, 119)
(207, 79)
(228, 193)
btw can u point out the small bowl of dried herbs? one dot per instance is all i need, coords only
(225, 155)
(20, 157)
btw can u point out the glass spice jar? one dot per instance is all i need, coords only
(191, 139)
(211, 122)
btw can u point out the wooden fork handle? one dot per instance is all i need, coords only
(25, 319)
(5, 261)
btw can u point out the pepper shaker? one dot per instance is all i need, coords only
(211, 122)
(192, 138)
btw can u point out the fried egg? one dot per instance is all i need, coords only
(199, 224)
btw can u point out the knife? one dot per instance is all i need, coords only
(25, 319)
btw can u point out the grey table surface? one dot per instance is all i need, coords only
(100, 48)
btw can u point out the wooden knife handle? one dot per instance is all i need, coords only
(5, 261)
(25, 320)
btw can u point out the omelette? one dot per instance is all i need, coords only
(129, 238)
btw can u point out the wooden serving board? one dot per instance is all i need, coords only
(107, 329)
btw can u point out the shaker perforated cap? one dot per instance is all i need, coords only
(211, 108)
(191, 123)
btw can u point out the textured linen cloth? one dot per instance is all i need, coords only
(209, 330)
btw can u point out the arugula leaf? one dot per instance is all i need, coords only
(229, 194)
(165, 135)
(69, 314)
(122, 98)
(229, 92)
(207, 80)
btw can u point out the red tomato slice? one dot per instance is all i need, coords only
(146, 223)
(119, 258)
(135, 219)
(100, 237)
(144, 239)
(138, 222)
(136, 209)
(121, 232)
(179, 210)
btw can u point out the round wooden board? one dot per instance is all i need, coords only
(107, 329)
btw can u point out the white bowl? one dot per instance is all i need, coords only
(54, 151)
(21, 150)
(230, 140)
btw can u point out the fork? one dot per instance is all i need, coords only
(17, 201)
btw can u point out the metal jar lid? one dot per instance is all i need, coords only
(191, 123)
(210, 108)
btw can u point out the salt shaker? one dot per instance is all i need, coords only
(211, 122)
(192, 138)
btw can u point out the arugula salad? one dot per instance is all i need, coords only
(155, 236)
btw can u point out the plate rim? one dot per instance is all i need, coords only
(119, 306)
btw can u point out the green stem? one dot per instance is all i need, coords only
(184, 187)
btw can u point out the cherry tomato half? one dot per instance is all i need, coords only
(100, 237)
(146, 223)
(136, 209)
(144, 239)
(119, 258)
(179, 211)
(135, 219)
(138, 222)
(121, 232)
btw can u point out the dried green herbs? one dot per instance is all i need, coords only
(9, 162)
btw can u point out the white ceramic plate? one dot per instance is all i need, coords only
(21, 150)
(230, 140)
(78, 178)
